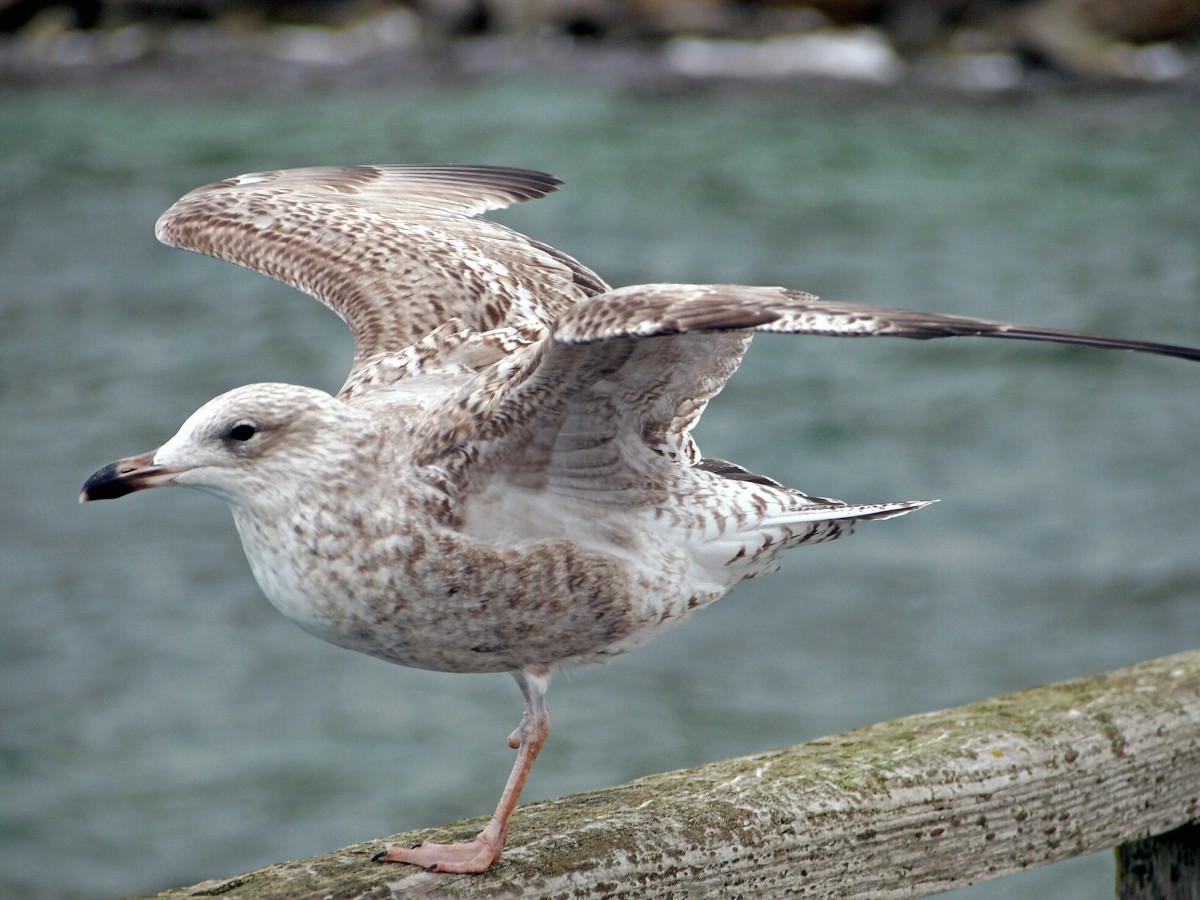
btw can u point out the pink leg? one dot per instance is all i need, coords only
(479, 854)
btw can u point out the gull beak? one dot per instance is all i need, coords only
(134, 473)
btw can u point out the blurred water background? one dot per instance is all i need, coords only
(161, 724)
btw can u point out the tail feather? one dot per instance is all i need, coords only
(757, 550)
(865, 512)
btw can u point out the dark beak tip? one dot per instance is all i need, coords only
(106, 484)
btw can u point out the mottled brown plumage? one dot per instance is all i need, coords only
(507, 480)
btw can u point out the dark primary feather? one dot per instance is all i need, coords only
(734, 472)
(664, 309)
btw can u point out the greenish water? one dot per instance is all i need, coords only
(161, 724)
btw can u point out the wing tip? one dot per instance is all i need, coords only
(513, 184)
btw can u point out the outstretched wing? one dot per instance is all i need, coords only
(665, 309)
(611, 398)
(396, 251)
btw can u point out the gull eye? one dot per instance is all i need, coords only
(241, 432)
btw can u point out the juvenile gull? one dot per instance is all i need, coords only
(507, 481)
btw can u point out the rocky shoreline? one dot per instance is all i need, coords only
(971, 45)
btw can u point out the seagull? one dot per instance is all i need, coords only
(507, 480)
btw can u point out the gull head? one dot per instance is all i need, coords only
(246, 446)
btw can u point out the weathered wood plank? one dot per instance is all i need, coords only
(896, 810)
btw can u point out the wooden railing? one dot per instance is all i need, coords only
(901, 809)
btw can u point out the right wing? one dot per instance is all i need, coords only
(605, 407)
